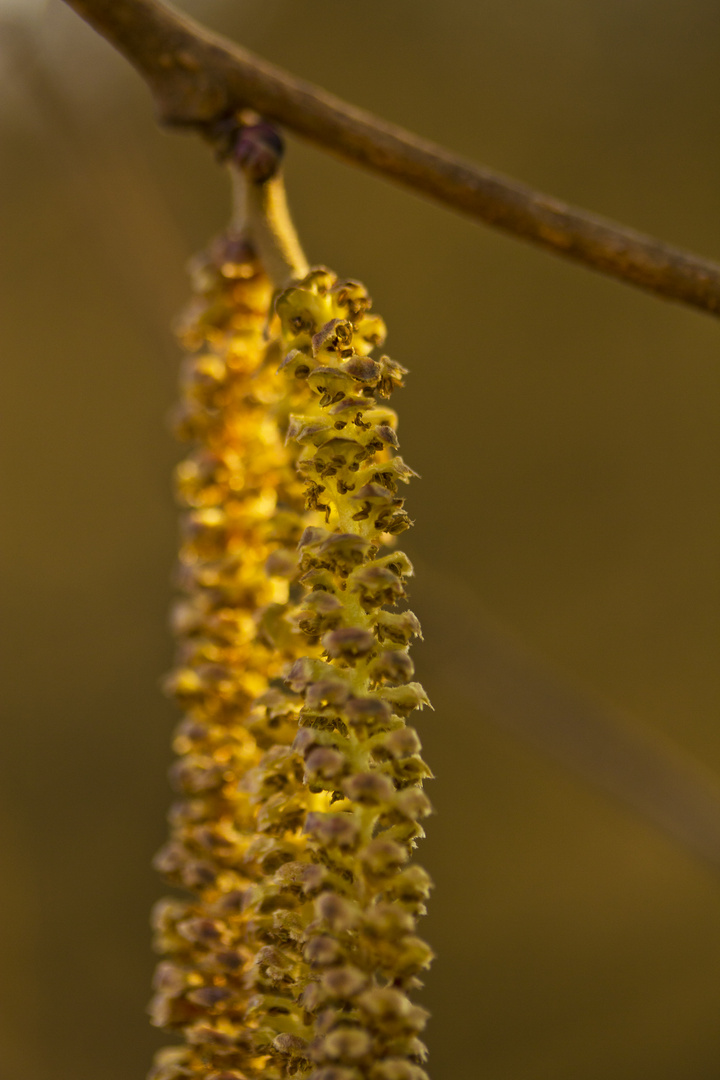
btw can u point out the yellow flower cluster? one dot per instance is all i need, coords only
(299, 779)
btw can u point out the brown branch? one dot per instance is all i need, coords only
(197, 78)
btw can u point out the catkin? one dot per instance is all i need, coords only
(299, 777)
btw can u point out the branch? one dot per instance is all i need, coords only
(197, 78)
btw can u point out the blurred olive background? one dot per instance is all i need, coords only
(565, 428)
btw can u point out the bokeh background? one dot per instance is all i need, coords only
(565, 428)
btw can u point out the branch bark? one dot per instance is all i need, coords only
(197, 78)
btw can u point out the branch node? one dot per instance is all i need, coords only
(259, 151)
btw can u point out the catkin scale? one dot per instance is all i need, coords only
(300, 781)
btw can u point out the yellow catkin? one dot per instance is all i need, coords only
(300, 779)
(361, 896)
(242, 518)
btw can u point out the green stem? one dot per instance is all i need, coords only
(261, 213)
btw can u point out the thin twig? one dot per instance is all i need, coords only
(197, 78)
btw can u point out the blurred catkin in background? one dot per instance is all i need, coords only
(565, 428)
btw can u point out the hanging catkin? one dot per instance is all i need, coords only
(299, 778)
